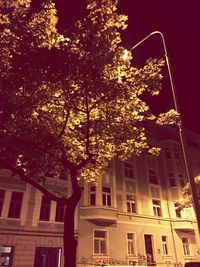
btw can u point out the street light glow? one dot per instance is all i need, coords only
(125, 55)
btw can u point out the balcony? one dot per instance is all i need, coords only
(99, 214)
(185, 225)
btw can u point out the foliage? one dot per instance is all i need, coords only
(187, 200)
(86, 107)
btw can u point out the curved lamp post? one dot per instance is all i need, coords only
(181, 132)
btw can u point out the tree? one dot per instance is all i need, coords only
(187, 200)
(70, 104)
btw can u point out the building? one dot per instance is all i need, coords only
(129, 218)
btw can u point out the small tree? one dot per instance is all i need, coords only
(187, 200)
(70, 104)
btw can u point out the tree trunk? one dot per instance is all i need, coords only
(70, 242)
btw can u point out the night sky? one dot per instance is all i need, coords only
(179, 21)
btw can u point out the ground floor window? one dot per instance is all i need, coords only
(186, 246)
(165, 249)
(130, 243)
(6, 256)
(100, 242)
(47, 257)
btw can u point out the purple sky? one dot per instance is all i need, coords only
(179, 21)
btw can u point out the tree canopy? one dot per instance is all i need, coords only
(70, 98)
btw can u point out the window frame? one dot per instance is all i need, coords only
(131, 203)
(100, 242)
(153, 177)
(60, 212)
(157, 209)
(45, 209)
(130, 244)
(92, 195)
(165, 245)
(128, 170)
(106, 196)
(186, 246)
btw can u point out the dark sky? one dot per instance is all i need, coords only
(179, 21)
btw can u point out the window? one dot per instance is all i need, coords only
(156, 207)
(130, 202)
(128, 170)
(6, 256)
(100, 241)
(45, 209)
(152, 177)
(172, 181)
(48, 257)
(177, 210)
(2, 196)
(106, 196)
(165, 245)
(186, 248)
(130, 243)
(92, 195)
(60, 212)
(15, 205)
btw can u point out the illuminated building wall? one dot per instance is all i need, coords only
(129, 217)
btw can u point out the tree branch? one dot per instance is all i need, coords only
(64, 125)
(18, 171)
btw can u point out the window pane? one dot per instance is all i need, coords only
(103, 246)
(128, 170)
(104, 200)
(93, 195)
(2, 195)
(106, 189)
(109, 200)
(93, 189)
(15, 205)
(100, 234)
(60, 212)
(92, 199)
(45, 209)
(96, 246)
(152, 177)
(130, 236)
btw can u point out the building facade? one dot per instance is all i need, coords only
(129, 218)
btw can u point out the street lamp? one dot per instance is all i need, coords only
(180, 126)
